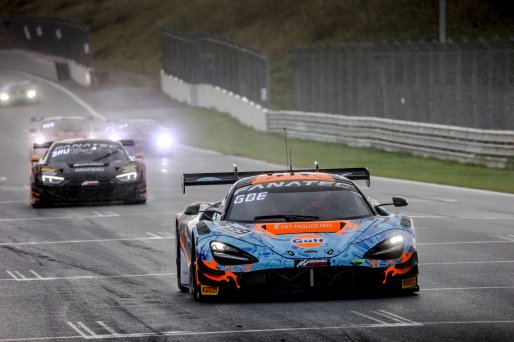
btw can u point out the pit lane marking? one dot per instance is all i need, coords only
(17, 276)
(468, 288)
(189, 333)
(503, 217)
(97, 215)
(155, 237)
(467, 262)
(462, 242)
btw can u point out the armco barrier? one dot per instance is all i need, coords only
(207, 96)
(492, 148)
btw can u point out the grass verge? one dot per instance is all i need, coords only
(220, 132)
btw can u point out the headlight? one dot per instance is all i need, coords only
(164, 141)
(127, 177)
(391, 248)
(4, 97)
(52, 179)
(31, 93)
(226, 254)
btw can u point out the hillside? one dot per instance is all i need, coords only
(125, 32)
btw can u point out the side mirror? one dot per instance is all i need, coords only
(398, 201)
(192, 209)
(139, 156)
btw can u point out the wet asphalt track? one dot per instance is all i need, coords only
(107, 272)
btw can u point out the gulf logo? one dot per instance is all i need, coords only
(308, 241)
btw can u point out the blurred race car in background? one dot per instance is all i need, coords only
(58, 128)
(19, 92)
(149, 135)
(86, 171)
(292, 231)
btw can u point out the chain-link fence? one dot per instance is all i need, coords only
(468, 84)
(208, 59)
(49, 36)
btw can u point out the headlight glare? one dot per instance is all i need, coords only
(4, 97)
(31, 93)
(164, 141)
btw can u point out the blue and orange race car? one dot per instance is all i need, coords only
(290, 231)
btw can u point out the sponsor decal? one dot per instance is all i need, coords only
(312, 263)
(90, 183)
(209, 290)
(308, 241)
(90, 169)
(88, 164)
(303, 227)
(409, 282)
(291, 183)
(358, 261)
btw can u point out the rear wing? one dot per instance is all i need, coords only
(218, 178)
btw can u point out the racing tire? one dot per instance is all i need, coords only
(178, 259)
(193, 280)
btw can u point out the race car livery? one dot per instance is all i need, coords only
(86, 171)
(292, 231)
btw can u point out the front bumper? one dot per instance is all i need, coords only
(335, 279)
(107, 192)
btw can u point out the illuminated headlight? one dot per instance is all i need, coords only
(391, 248)
(39, 140)
(31, 93)
(164, 141)
(48, 179)
(4, 97)
(127, 177)
(226, 254)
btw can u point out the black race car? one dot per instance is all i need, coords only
(86, 171)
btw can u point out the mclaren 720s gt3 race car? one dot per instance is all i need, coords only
(86, 171)
(293, 231)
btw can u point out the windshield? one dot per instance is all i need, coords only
(87, 152)
(289, 202)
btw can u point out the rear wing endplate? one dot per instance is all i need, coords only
(219, 178)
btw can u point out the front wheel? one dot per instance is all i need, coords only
(194, 288)
(181, 287)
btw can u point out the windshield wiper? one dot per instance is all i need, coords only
(287, 218)
(106, 155)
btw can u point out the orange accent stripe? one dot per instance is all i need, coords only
(277, 177)
(395, 270)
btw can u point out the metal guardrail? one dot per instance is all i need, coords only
(50, 36)
(492, 148)
(208, 59)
